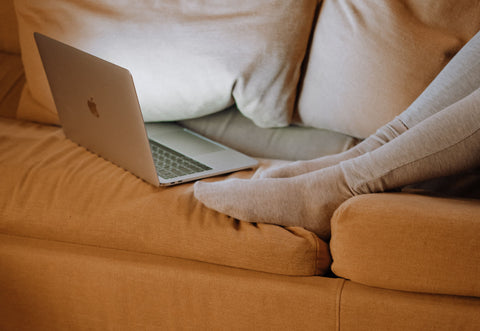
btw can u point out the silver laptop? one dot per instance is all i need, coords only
(98, 108)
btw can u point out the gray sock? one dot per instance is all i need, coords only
(445, 143)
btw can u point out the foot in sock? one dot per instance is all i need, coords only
(440, 139)
(307, 200)
(446, 143)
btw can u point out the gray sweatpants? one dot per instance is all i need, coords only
(438, 135)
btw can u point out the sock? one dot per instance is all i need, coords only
(308, 200)
(443, 144)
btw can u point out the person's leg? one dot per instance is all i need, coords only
(458, 79)
(382, 136)
(445, 143)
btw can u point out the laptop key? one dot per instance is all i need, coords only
(170, 164)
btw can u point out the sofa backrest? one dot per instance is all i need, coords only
(8, 28)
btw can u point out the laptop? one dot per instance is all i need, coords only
(98, 109)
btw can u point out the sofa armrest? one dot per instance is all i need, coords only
(409, 242)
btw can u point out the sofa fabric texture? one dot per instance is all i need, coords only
(49, 285)
(406, 252)
(86, 245)
(365, 308)
(54, 189)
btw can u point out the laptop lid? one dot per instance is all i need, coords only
(98, 108)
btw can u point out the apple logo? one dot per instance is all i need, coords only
(93, 107)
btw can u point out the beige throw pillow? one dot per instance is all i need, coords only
(370, 59)
(188, 58)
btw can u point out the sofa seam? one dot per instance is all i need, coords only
(316, 267)
(126, 250)
(88, 245)
(338, 302)
(337, 216)
(318, 256)
(145, 253)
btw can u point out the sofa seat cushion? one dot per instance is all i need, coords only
(290, 143)
(409, 242)
(55, 190)
(365, 308)
(52, 286)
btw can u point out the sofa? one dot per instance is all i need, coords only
(85, 245)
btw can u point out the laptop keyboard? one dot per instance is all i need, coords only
(170, 164)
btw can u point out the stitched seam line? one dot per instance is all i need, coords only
(316, 263)
(338, 304)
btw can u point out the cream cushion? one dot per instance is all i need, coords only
(369, 60)
(188, 59)
(291, 143)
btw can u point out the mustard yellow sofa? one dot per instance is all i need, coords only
(85, 245)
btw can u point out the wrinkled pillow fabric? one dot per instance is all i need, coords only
(188, 58)
(370, 59)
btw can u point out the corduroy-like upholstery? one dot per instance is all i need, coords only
(409, 242)
(53, 189)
